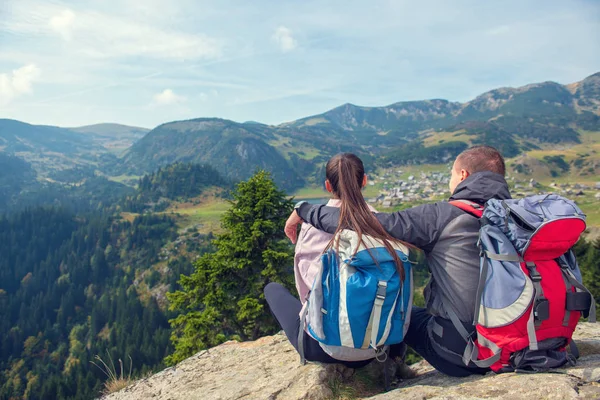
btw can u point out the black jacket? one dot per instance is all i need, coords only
(446, 234)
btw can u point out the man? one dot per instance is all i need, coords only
(448, 237)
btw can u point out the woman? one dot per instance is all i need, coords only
(313, 242)
(345, 178)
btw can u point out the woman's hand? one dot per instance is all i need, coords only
(291, 226)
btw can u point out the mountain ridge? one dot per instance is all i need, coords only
(514, 119)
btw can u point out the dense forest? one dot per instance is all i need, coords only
(178, 181)
(66, 294)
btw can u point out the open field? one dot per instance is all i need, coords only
(205, 215)
(435, 138)
(313, 192)
(125, 179)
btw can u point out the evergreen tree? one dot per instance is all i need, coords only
(223, 298)
(588, 257)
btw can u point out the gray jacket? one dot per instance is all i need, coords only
(445, 233)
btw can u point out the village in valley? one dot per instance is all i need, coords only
(398, 187)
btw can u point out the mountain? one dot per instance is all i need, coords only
(20, 137)
(49, 148)
(112, 130)
(380, 125)
(587, 93)
(544, 112)
(114, 137)
(235, 150)
(515, 120)
(538, 116)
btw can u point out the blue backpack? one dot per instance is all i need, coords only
(358, 306)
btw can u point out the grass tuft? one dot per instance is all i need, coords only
(116, 380)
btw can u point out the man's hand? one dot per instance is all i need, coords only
(291, 226)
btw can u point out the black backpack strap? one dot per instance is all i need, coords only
(541, 307)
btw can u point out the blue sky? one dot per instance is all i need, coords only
(144, 62)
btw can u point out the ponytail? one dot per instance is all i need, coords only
(345, 173)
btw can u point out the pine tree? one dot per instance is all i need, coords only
(223, 297)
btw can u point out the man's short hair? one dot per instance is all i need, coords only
(481, 158)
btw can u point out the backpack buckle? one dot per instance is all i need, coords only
(381, 290)
(534, 275)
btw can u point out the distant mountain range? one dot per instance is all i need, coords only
(114, 137)
(429, 131)
(537, 116)
(116, 131)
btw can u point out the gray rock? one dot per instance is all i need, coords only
(269, 368)
(577, 382)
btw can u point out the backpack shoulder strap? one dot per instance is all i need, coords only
(475, 209)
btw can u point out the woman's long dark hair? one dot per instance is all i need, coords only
(345, 172)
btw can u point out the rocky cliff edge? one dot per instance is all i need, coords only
(268, 368)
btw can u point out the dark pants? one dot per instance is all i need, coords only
(286, 309)
(419, 339)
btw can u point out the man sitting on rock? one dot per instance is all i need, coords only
(448, 237)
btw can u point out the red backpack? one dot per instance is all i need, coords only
(530, 296)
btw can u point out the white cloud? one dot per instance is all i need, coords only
(109, 34)
(283, 37)
(167, 97)
(62, 23)
(18, 82)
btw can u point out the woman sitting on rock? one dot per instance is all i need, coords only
(345, 179)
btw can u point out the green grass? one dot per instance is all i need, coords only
(435, 138)
(315, 121)
(314, 192)
(287, 146)
(591, 207)
(589, 137)
(207, 214)
(361, 385)
(124, 178)
(310, 192)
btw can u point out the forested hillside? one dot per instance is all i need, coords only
(16, 175)
(67, 294)
(178, 181)
(93, 193)
(77, 280)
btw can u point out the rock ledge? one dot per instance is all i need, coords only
(269, 369)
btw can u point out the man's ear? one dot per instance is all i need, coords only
(464, 174)
(364, 182)
(328, 186)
